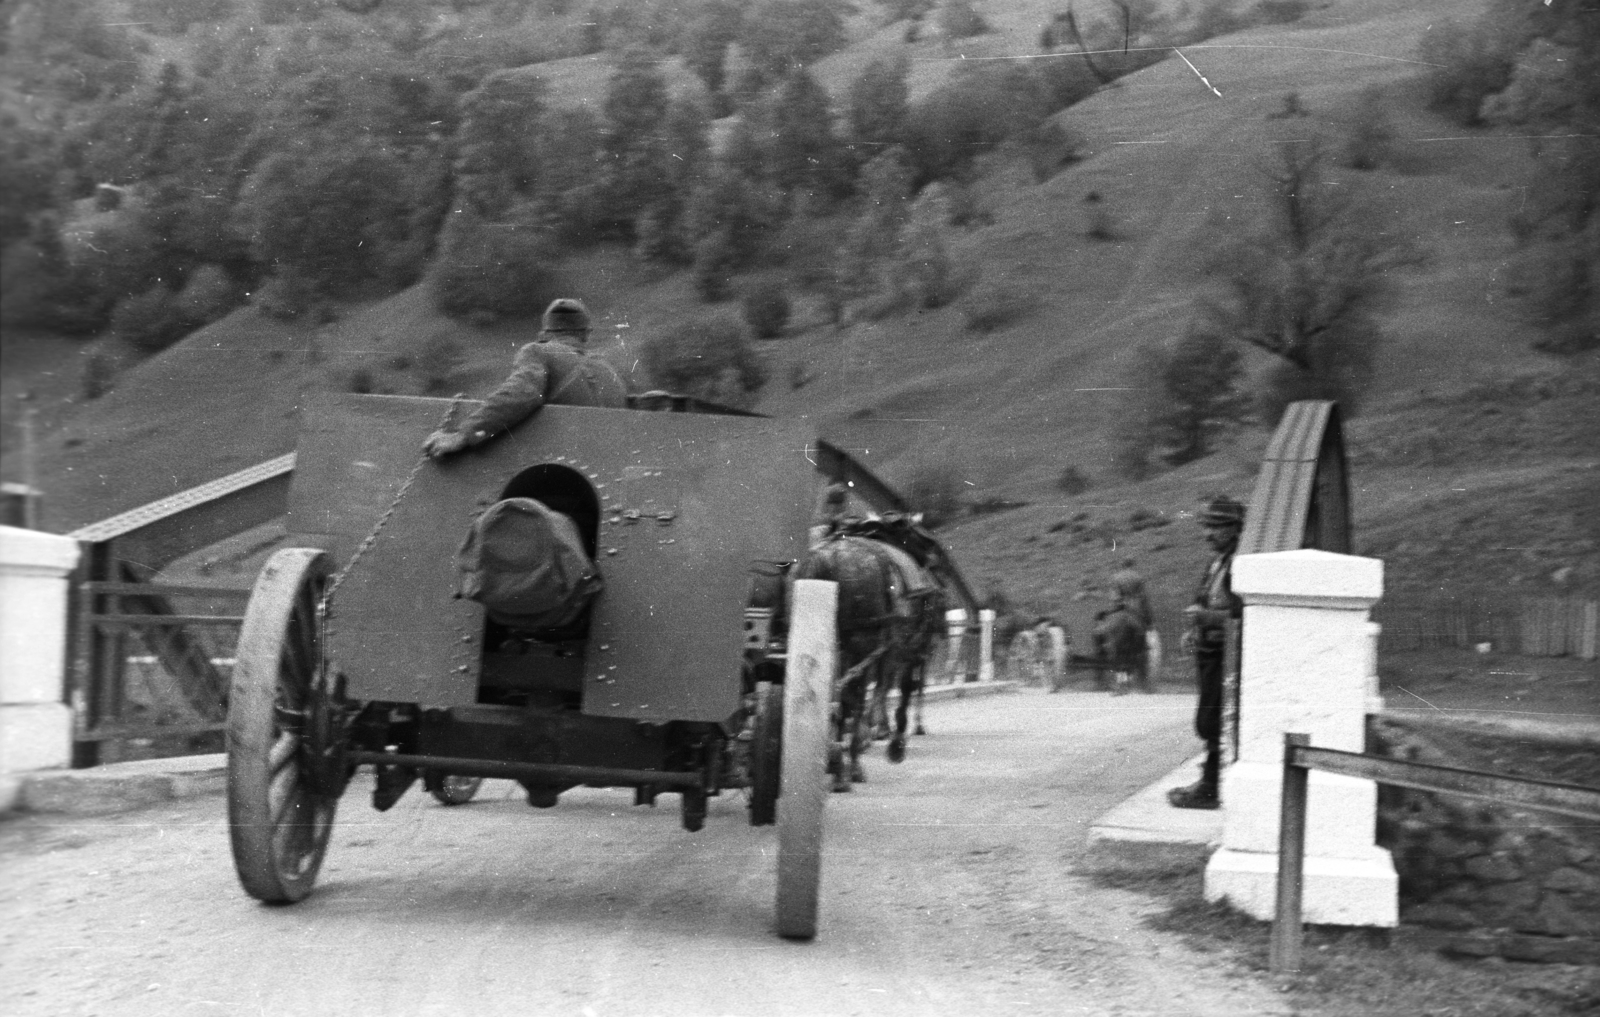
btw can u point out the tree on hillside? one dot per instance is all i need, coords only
(27, 171)
(709, 359)
(497, 149)
(1306, 285)
(333, 216)
(777, 35)
(1553, 95)
(879, 103)
(980, 107)
(804, 153)
(705, 42)
(1199, 396)
(636, 161)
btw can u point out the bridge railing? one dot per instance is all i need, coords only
(150, 661)
(1300, 757)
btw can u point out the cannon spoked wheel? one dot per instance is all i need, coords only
(766, 754)
(807, 689)
(285, 756)
(450, 788)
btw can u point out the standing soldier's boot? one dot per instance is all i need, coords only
(1203, 793)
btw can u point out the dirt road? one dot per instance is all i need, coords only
(948, 889)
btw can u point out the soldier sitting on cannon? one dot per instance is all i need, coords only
(554, 369)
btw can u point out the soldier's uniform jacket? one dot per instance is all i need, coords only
(546, 371)
(1217, 601)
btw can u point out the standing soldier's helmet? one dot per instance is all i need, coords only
(1223, 513)
(566, 315)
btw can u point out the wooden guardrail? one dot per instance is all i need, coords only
(1300, 758)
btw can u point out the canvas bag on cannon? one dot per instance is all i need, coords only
(527, 565)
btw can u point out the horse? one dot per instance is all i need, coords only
(1122, 648)
(889, 615)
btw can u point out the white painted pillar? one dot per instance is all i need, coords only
(35, 722)
(986, 645)
(955, 631)
(1306, 662)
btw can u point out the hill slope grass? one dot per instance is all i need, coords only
(1175, 168)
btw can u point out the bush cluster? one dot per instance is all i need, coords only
(708, 358)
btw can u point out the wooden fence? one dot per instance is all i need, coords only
(1508, 623)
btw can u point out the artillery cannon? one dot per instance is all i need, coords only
(364, 645)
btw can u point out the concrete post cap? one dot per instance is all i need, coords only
(34, 550)
(1308, 577)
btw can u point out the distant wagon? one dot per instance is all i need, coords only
(363, 645)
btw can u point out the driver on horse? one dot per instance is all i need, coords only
(1128, 593)
(554, 369)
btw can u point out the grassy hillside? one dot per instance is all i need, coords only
(1475, 459)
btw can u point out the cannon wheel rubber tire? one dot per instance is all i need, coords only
(278, 822)
(806, 745)
(455, 790)
(766, 754)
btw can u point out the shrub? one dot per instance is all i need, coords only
(98, 374)
(1469, 65)
(1279, 12)
(1369, 133)
(766, 309)
(437, 359)
(709, 359)
(714, 263)
(927, 273)
(1050, 148)
(991, 308)
(1099, 222)
(958, 20)
(505, 268)
(148, 321)
(1146, 519)
(981, 107)
(206, 296)
(360, 381)
(1072, 481)
(285, 296)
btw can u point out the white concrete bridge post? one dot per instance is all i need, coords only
(1307, 666)
(955, 631)
(35, 722)
(986, 645)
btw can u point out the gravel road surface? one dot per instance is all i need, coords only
(948, 889)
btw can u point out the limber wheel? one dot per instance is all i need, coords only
(808, 685)
(766, 754)
(284, 767)
(450, 789)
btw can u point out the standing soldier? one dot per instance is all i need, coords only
(1214, 606)
(554, 369)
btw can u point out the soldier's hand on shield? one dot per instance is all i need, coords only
(443, 443)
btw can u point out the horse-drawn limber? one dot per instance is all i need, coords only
(363, 646)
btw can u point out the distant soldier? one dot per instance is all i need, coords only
(554, 369)
(1128, 592)
(1215, 605)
